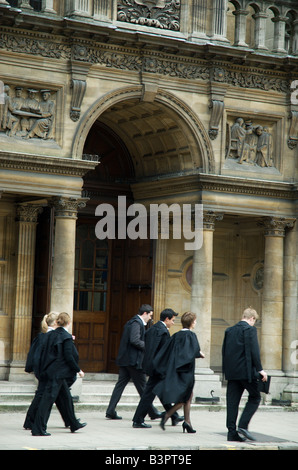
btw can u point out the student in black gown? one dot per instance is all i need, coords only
(58, 367)
(48, 324)
(175, 363)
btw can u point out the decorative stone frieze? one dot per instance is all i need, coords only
(130, 59)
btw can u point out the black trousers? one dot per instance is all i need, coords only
(54, 390)
(147, 400)
(127, 373)
(235, 389)
(60, 402)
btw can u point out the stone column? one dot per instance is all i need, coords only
(201, 305)
(290, 338)
(48, 7)
(199, 19)
(240, 27)
(62, 289)
(79, 8)
(290, 300)
(219, 20)
(279, 33)
(273, 302)
(25, 5)
(260, 30)
(295, 39)
(25, 259)
(161, 269)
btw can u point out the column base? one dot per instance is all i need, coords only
(17, 373)
(291, 390)
(207, 387)
(76, 389)
(277, 385)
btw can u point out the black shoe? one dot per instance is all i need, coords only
(78, 426)
(44, 433)
(156, 415)
(163, 421)
(234, 436)
(141, 425)
(188, 428)
(176, 420)
(113, 416)
(246, 434)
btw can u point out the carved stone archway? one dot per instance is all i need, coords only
(154, 130)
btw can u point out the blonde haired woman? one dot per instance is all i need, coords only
(175, 363)
(48, 324)
(60, 366)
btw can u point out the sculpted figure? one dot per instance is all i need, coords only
(43, 126)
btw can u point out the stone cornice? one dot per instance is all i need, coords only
(213, 183)
(49, 165)
(165, 56)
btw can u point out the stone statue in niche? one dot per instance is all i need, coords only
(250, 144)
(27, 117)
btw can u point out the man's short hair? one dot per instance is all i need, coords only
(145, 308)
(250, 312)
(167, 313)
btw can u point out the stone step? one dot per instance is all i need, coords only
(92, 395)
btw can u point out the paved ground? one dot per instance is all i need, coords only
(273, 430)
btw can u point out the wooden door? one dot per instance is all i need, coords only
(131, 286)
(91, 299)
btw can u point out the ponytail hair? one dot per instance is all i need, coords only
(48, 320)
(63, 319)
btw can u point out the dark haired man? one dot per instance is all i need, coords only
(155, 338)
(130, 360)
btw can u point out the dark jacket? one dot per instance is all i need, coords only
(155, 338)
(34, 355)
(241, 353)
(132, 344)
(175, 363)
(59, 357)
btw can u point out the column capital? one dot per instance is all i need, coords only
(28, 212)
(209, 219)
(67, 207)
(275, 226)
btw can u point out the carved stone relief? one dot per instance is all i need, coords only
(164, 14)
(27, 113)
(250, 143)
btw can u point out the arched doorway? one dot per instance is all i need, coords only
(135, 141)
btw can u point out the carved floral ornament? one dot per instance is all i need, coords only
(164, 14)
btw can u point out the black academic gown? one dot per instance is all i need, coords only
(58, 367)
(33, 364)
(175, 363)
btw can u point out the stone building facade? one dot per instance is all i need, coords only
(158, 101)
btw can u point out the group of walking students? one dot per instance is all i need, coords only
(158, 364)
